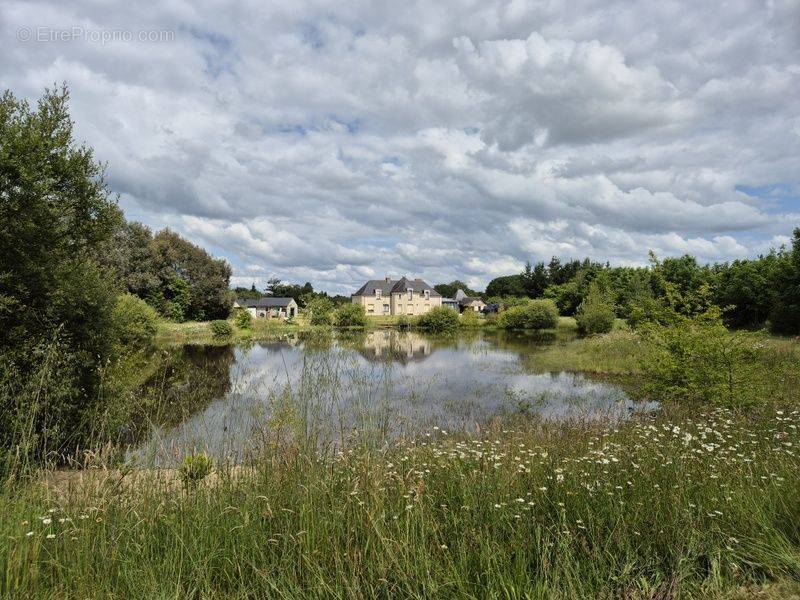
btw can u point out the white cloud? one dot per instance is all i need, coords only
(333, 142)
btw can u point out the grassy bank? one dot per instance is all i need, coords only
(701, 506)
(199, 332)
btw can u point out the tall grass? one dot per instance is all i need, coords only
(685, 503)
(690, 505)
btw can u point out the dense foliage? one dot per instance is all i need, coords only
(135, 322)
(596, 313)
(72, 338)
(534, 314)
(350, 315)
(243, 319)
(221, 328)
(752, 293)
(180, 279)
(57, 221)
(439, 319)
(319, 310)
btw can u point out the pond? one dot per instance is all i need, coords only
(380, 384)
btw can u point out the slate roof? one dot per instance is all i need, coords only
(464, 300)
(395, 286)
(264, 302)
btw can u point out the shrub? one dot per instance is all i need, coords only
(243, 319)
(404, 323)
(320, 311)
(134, 322)
(596, 313)
(195, 468)
(221, 328)
(698, 360)
(350, 315)
(470, 318)
(535, 314)
(439, 319)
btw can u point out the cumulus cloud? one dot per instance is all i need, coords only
(331, 143)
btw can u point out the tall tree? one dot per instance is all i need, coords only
(57, 221)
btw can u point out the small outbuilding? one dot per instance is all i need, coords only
(269, 307)
(473, 303)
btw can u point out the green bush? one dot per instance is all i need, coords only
(596, 313)
(535, 314)
(404, 323)
(698, 360)
(134, 322)
(221, 328)
(470, 318)
(439, 319)
(243, 319)
(320, 311)
(195, 468)
(350, 315)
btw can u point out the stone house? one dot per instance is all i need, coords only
(403, 296)
(268, 308)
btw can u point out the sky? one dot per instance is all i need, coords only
(333, 142)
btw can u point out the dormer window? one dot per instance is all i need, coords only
(378, 292)
(427, 294)
(410, 293)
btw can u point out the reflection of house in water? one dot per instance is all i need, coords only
(396, 346)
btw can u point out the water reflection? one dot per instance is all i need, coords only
(386, 383)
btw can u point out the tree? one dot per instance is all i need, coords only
(206, 278)
(535, 280)
(533, 314)
(507, 285)
(243, 292)
(785, 316)
(596, 313)
(448, 290)
(57, 223)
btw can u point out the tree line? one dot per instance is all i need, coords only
(750, 293)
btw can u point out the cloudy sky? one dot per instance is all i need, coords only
(336, 141)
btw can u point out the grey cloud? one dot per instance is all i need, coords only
(328, 142)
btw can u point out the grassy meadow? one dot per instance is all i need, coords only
(689, 502)
(701, 505)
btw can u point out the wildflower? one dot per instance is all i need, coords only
(47, 521)
(50, 536)
(29, 534)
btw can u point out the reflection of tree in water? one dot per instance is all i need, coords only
(525, 342)
(188, 379)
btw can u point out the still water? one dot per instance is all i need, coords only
(385, 383)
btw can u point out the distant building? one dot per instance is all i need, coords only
(465, 302)
(269, 307)
(397, 297)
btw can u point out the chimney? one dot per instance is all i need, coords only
(388, 279)
(418, 279)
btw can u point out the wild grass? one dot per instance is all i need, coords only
(199, 332)
(689, 502)
(689, 506)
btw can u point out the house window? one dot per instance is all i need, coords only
(378, 292)
(386, 309)
(410, 294)
(427, 294)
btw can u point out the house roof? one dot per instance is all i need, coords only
(389, 286)
(384, 285)
(264, 302)
(462, 298)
